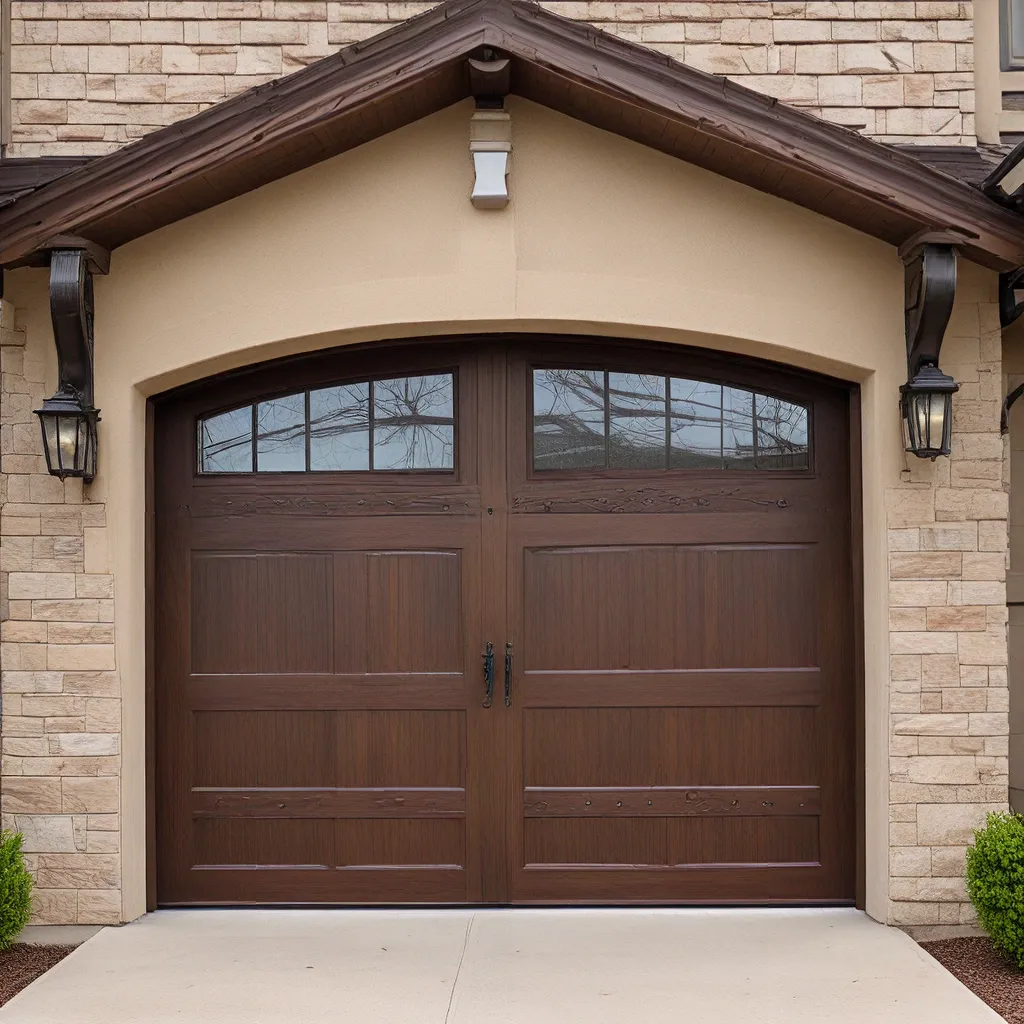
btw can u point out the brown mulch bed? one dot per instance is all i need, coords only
(984, 972)
(21, 964)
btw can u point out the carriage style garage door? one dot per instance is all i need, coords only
(654, 546)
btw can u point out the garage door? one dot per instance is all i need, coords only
(505, 621)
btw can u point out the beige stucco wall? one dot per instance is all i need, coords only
(604, 237)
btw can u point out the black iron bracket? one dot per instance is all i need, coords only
(71, 311)
(929, 290)
(1004, 416)
(1009, 308)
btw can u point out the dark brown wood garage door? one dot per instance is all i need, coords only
(655, 545)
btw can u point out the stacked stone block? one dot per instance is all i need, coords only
(90, 76)
(59, 779)
(948, 647)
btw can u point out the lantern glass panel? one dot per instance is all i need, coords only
(69, 441)
(928, 416)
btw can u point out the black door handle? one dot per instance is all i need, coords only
(488, 674)
(508, 675)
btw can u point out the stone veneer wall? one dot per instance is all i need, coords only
(948, 696)
(61, 708)
(89, 76)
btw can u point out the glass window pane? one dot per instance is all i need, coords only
(225, 442)
(281, 435)
(636, 420)
(339, 428)
(568, 419)
(737, 429)
(696, 424)
(781, 434)
(414, 422)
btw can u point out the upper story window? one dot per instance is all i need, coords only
(1011, 33)
(604, 419)
(400, 423)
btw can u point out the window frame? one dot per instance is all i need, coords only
(646, 367)
(253, 402)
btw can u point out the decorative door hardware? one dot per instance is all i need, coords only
(488, 674)
(508, 674)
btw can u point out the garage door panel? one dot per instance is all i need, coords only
(399, 842)
(770, 839)
(671, 842)
(754, 746)
(224, 620)
(589, 841)
(413, 611)
(261, 613)
(262, 748)
(649, 607)
(800, 687)
(399, 748)
(295, 613)
(246, 842)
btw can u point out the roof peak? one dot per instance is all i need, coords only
(416, 68)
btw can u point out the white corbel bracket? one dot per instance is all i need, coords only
(490, 143)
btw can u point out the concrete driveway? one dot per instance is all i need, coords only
(498, 967)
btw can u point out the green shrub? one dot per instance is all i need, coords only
(995, 882)
(15, 889)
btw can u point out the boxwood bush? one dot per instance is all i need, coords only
(995, 882)
(15, 889)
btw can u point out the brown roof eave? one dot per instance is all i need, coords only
(418, 67)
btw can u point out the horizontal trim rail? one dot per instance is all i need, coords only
(208, 802)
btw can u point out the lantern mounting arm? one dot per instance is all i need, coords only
(929, 290)
(71, 311)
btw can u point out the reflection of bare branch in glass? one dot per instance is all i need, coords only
(781, 433)
(636, 421)
(339, 427)
(413, 423)
(586, 419)
(226, 442)
(568, 419)
(281, 434)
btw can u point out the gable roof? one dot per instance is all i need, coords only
(419, 67)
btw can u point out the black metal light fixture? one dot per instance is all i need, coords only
(69, 436)
(68, 418)
(926, 400)
(927, 405)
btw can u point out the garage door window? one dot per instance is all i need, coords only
(605, 419)
(393, 424)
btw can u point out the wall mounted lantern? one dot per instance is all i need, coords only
(69, 435)
(926, 400)
(68, 418)
(927, 404)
